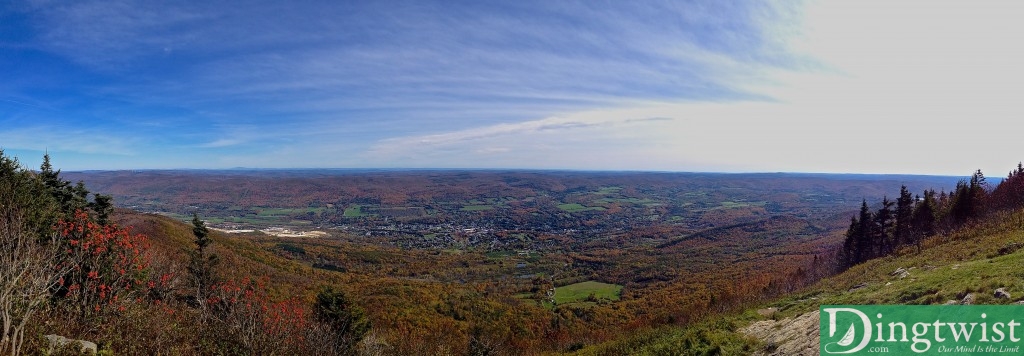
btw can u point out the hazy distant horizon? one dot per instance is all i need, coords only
(515, 170)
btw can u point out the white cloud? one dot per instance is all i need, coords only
(60, 139)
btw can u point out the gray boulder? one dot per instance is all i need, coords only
(968, 300)
(1001, 294)
(901, 273)
(57, 341)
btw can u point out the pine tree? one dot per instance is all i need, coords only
(865, 245)
(347, 321)
(1009, 194)
(960, 204)
(103, 206)
(882, 228)
(29, 196)
(71, 198)
(201, 266)
(853, 236)
(978, 191)
(924, 218)
(904, 217)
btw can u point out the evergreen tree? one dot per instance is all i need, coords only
(104, 207)
(201, 265)
(960, 204)
(1009, 194)
(853, 235)
(71, 198)
(25, 192)
(865, 245)
(347, 321)
(968, 201)
(924, 218)
(50, 177)
(904, 217)
(978, 195)
(882, 228)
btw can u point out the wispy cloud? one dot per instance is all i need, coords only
(75, 140)
(651, 85)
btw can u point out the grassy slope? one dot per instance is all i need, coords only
(580, 291)
(949, 267)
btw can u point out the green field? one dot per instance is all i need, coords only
(353, 211)
(477, 207)
(575, 208)
(580, 291)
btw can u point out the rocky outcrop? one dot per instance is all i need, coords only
(1001, 294)
(790, 336)
(57, 342)
(968, 300)
(901, 273)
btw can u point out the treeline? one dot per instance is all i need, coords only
(67, 269)
(910, 219)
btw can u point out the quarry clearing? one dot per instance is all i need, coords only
(277, 232)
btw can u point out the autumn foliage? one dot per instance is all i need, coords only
(107, 265)
(67, 269)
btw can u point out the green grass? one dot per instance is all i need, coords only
(481, 207)
(733, 205)
(975, 261)
(353, 211)
(950, 267)
(714, 337)
(499, 254)
(647, 202)
(580, 291)
(575, 208)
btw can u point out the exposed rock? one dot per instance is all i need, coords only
(859, 286)
(968, 300)
(901, 272)
(952, 302)
(790, 336)
(57, 341)
(1001, 294)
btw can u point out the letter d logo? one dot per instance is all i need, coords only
(850, 334)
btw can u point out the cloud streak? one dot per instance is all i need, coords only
(655, 85)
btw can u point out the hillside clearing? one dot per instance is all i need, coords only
(580, 292)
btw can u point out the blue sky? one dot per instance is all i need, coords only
(871, 87)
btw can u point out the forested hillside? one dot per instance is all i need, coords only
(613, 258)
(72, 270)
(957, 248)
(525, 261)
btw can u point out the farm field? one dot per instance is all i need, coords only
(581, 292)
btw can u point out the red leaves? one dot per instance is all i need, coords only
(108, 261)
(249, 301)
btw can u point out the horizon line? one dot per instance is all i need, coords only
(449, 169)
